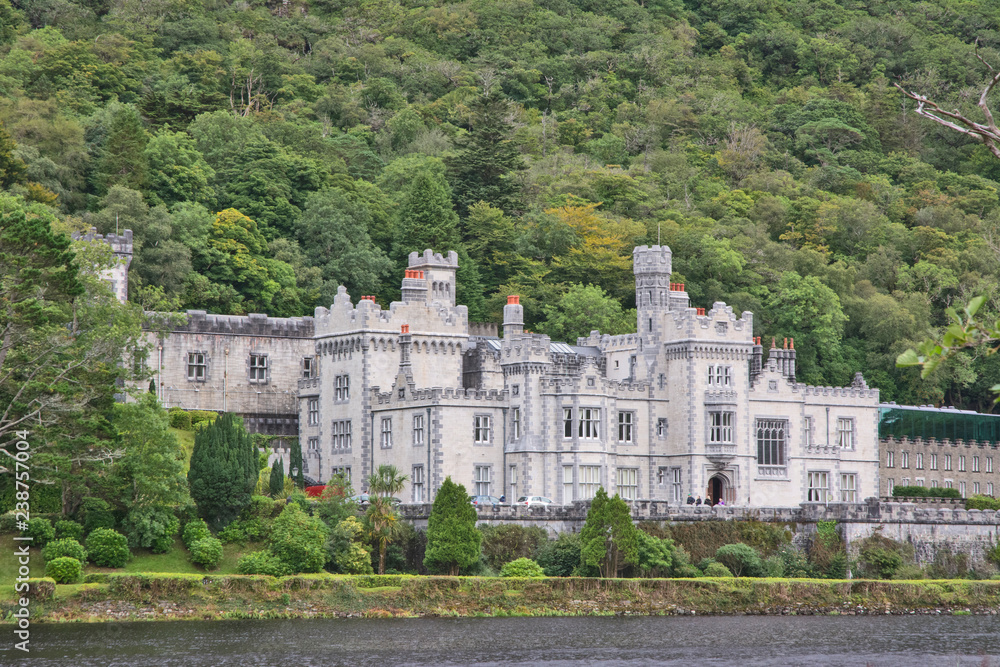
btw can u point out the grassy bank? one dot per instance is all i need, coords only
(123, 596)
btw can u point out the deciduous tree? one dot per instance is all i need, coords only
(609, 539)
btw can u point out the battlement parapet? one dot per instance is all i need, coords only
(120, 244)
(254, 324)
(943, 442)
(310, 385)
(430, 258)
(837, 392)
(441, 395)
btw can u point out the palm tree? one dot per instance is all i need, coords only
(383, 522)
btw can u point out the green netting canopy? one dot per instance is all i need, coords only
(914, 422)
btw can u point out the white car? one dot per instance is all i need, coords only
(529, 501)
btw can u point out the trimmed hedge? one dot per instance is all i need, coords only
(982, 503)
(207, 552)
(40, 530)
(522, 567)
(69, 529)
(64, 570)
(194, 531)
(108, 548)
(924, 492)
(67, 547)
(262, 562)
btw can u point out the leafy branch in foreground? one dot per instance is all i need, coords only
(965, 330)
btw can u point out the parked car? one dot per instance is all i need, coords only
(482, 501)
(361, 499)
(529, 501)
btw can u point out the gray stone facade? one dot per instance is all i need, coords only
(687, 405)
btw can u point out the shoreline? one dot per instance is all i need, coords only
(166, 597)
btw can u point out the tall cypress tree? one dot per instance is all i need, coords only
(223, 470)
(453, 541)
(277, 484)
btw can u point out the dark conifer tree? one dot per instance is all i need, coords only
(277, 484)
(223, 470)
(484, 170)
(453, 541)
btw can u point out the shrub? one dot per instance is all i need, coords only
(794, 563)
(879, 557)
(717, 570)
(453, 542)
(702, 539)
(202, 417)
(262, 507)
(234, 533)
(40, 530)
(560, 557)
(772, 567)
(508, 542)
(300, 499)
(345, 549)
(8, 523)
(152, 528)
(522, 567)
(207, 552)
(262, 562)
(180, 419)
(108, 548)
(299, 540)
(740, 559)
(66, 547)
(194, 531)
(880, 563)
(69, 529)
(96, 514)
(982, 503)
(64, 570)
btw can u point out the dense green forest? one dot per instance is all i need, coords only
(265, 152)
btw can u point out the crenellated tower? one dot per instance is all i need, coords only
(652, 268)
(439, 271)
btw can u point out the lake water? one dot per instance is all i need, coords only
(889, 641)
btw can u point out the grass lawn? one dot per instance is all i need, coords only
(174, 561)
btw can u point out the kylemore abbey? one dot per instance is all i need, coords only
(691, 404)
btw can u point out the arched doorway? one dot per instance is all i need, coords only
(717, 489)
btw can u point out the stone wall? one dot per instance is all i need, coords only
(928, 529)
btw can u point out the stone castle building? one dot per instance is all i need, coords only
(687, 405)
(690, 404)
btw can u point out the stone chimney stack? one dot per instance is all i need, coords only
(513, 316)
(756, 360)
(414, 289)
(405, 340)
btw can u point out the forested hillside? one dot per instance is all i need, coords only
(265, 152)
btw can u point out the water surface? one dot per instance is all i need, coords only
(747, 641)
